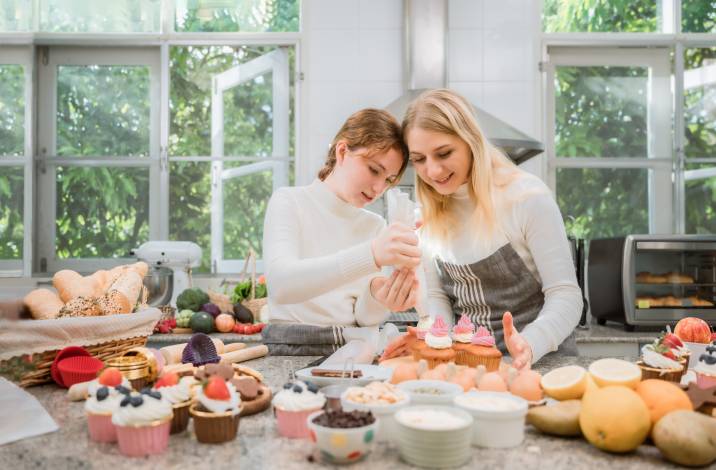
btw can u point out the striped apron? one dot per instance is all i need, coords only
(500, 283)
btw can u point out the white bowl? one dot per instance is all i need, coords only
(434, 444)
(494, 426)
(342, 445)
(449, 391)
(387, 426)
(370, 373)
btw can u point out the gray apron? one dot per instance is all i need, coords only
(500, 283)
(302, 340)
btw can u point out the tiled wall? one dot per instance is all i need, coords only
(353, 59)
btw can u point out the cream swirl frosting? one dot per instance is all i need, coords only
(108, 405)
(141, 410)
(439, 335)
(95, 385)
(178, 393)
(483, 337)
(233, 404)
(652, 358)
(423, 326)
(463, 331)
(296, 396)
(703, 367)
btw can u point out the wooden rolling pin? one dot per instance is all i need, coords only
(245, 354)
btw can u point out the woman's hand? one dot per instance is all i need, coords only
(400, 346)
(517, 346)
(398, 293)
(396, 245)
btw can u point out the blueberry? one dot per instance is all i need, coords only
(154, 394)
(102, 393)
(137, 400)
(145, 390)
(298, 389)
(312, 387)
(122, 389)
(288, 385)
(125, 401)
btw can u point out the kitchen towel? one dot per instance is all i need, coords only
(21, 415)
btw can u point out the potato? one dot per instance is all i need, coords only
(560, 419)
(686, 438)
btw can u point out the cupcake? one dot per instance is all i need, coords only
(658, 362)
(706, 368)
(109, 377)
(143, 421)
(293, 405)
(177, 392)
(461, 336)
(216, 411)
(99, 408)
(439, 345)
(677, 347)
(421, 330)
(481, 350)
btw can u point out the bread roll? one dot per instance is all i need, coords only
(43, 304)
(678, 278)
(114, 302)
(71, 285)
(130, 284)
(81, 307)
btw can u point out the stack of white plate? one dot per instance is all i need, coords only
(434, 441)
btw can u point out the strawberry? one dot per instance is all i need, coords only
(167, 380)
(216, 389)
(110, 377)
(673, 341)
(670, 355)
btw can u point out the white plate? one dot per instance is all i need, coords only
(371, 373)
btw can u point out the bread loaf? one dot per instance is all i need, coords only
(43, 304)
(130, 284)
(81, 307)
(114, 302)
(71, 285)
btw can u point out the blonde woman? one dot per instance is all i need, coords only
(324, 252)
(494, 234)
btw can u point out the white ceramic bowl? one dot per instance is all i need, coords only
(387, 427)
(435, 443)
(370, 373)
(499, 417)
(342, 445)
(449, 391)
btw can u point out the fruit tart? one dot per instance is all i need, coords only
(658, 361)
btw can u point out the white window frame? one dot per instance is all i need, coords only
(659, 112)
(50, 59)
(23, 56)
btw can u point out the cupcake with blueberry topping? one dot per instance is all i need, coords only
(216, 411)
(99, 408)
(292, 406)
(706, 368)
(110, 377)
(143, 421)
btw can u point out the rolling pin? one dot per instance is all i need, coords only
(245, 354)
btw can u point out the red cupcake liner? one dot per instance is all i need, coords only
(79, 369)
(70, 351)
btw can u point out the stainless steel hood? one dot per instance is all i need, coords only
(425, 63)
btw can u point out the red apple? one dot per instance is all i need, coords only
(693, 330)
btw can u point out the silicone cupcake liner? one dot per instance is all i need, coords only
(180, 419)
(100, 428)
(144, 440)
(79, 369)
(705, 380)
(214, 428)
(293, 424)
(70, 351)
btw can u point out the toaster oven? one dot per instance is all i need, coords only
(652, 279)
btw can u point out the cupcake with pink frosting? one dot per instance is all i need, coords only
(462, 338)
(438, 344)
(481, 351)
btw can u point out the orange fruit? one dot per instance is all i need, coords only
(611, 371)
(662, 397)
(565, 383)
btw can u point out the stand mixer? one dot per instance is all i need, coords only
(170, 273)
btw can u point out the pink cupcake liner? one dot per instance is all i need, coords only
(144, 440)
(100, 428)
(705, 380)
(293, 424)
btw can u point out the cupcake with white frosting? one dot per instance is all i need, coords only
(143, 421)
(177, 391)
(659, 362)
(706, 367)
(99, 408)
(216, 411)
(292, 406)
(439, 345)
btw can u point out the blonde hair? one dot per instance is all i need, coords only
(372, 129)
(447, 112)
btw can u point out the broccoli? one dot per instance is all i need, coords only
(192, 299)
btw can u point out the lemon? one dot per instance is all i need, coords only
(614, 418)
(565, 383)
(610, 371)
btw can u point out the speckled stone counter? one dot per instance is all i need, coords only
(258, 445)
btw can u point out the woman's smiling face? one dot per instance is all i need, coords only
(441, 160)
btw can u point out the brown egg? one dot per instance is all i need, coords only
(492, 382)
(405, 372)
(433, 374)
(527, 385)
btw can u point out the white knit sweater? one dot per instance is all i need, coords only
(530, 220)
(318, 259)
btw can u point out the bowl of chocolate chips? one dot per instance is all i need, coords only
(343, 436)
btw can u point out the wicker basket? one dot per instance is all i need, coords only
(252, 303)
(34, 369)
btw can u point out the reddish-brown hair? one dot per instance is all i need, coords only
(372, 129)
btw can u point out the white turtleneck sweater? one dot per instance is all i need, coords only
(530, 220)
(318, 259)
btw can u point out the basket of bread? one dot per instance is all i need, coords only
(105, 313)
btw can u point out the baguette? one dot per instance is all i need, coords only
(114, 302)
(71, 285)
(130, 284)
(43, 304)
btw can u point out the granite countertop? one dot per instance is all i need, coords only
(258, 445)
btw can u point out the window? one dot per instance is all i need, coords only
(629, 117)
(150, 128)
